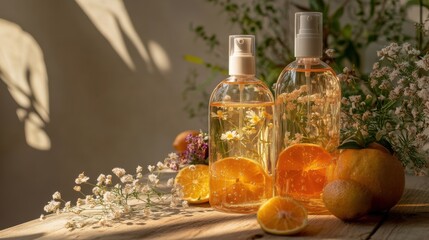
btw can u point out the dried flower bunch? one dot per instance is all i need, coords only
(197, 152)
(391, 106)
(131, 195)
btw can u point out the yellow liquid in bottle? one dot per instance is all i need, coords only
(241, 147)
(307, 108)
(301, 172)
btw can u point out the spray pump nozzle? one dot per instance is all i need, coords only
(241, 55)
(308, 34)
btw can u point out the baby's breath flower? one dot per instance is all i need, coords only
(52, 206)
(101, 178)
(79, 202)
(330, 53)
(397, 112)
(109, 197)
(67, 205)
(70, 225)
(56, 196)
(81, 178)
(89, 200)
(153, 178)
(108, 180)
(128, 189)
(113, 200)
(145, 189)
(151, 168)
(170, 182)
(127, 178)
(160, 165)
(173, 155)
(42, 217)
(96, 190)
(119, 172)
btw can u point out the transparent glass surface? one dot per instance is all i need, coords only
(241, 144)
(308, 98)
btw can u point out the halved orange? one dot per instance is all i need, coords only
(301, 170)
(282, 215)
(195, 182)
(237, 180)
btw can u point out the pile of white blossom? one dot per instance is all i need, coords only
(392, 105)
(108, 202)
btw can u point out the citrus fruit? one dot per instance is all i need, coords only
(195, 182)
(378, 146)
(330, 172)
(237, 180)
(282, 215)
(180, 143)
(375, 169)
(301, 170)
(347, 199)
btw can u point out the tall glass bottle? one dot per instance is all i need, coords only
(241, 134)
(308, 97)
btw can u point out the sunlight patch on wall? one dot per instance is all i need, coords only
(159, 56)
(23, 69)
(112, 20)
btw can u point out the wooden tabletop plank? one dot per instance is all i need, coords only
(410, 218)
(192, 223)
(201, 222)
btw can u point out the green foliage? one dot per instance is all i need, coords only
(349, 28)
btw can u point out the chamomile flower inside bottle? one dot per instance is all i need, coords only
(241, 134)
(307, 119)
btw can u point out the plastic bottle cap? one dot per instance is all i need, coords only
(308, 34)
(241, 55)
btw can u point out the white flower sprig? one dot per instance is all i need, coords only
(392, 106)
(108, 203)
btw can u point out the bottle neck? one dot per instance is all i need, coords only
(308, 60)
(242, 77)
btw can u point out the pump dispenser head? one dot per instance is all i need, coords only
(308, 34)
(241, 55)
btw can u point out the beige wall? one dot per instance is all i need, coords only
(103, 114)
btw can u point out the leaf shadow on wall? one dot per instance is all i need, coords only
(23, 70)
(113, 21)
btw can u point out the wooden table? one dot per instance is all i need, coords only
(408, 220)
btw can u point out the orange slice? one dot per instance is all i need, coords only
(195, 182)
(301, 170)
(237, 180)
(282, 216)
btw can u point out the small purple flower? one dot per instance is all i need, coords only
(196, 151)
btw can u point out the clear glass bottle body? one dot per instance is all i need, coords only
(308, 98)
(241, 144)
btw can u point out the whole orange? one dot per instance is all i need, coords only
(377, 170)
(347, 199)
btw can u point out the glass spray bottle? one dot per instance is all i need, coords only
(241, 134)
(308, 97)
